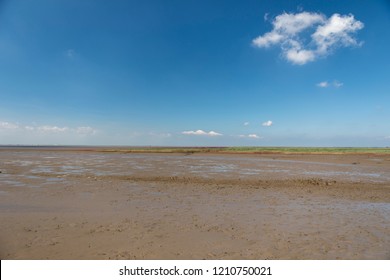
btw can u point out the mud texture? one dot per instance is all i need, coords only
(94, 205)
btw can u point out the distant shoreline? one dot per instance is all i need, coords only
(212, 150)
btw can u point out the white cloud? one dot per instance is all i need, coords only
(46, 129)
(84, 130)
(268, 39)
(326, 84)
(160, 135)
(337, 84)
(202, 132)
(299, 56)
(81, 130)
(213, 133)
(252, 136)
(328, 34)
(246, 123)
(292, 24)
(8, 125)
(55, 129)
(255, 136)
(335, 32)
(32, 133)
(267, 123)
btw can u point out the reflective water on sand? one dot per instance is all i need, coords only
(29, 167)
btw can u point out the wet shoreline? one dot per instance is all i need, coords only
(93, 205)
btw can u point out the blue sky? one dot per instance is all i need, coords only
(214, 73)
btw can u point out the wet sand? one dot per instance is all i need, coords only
(95, 205)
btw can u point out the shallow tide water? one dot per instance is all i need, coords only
(36, 168)
(95, 205)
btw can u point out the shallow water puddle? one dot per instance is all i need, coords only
(89, 164)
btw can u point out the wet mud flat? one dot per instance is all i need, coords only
(96, 205)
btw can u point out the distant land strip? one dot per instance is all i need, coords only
(214, 150)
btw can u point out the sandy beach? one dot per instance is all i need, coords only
(68, 204)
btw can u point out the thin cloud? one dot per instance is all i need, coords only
(246, 123)
(160, 135)
(267, 123)
(85, 130)
(202, 133)
(81, 130)
(70, 53)
(337, 84)
(8, 125)
(252, 136)
(329, 34)
(47, 129)
(326, 84)
(55, 129)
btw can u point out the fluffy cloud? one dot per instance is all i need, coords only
(299, 56)
(286, 26)
(337, 31)
(202, 132)
(267, 123)
(329, 34)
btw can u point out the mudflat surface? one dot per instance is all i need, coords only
(98, 205)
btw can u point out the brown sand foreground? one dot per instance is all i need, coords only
(94, 205)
